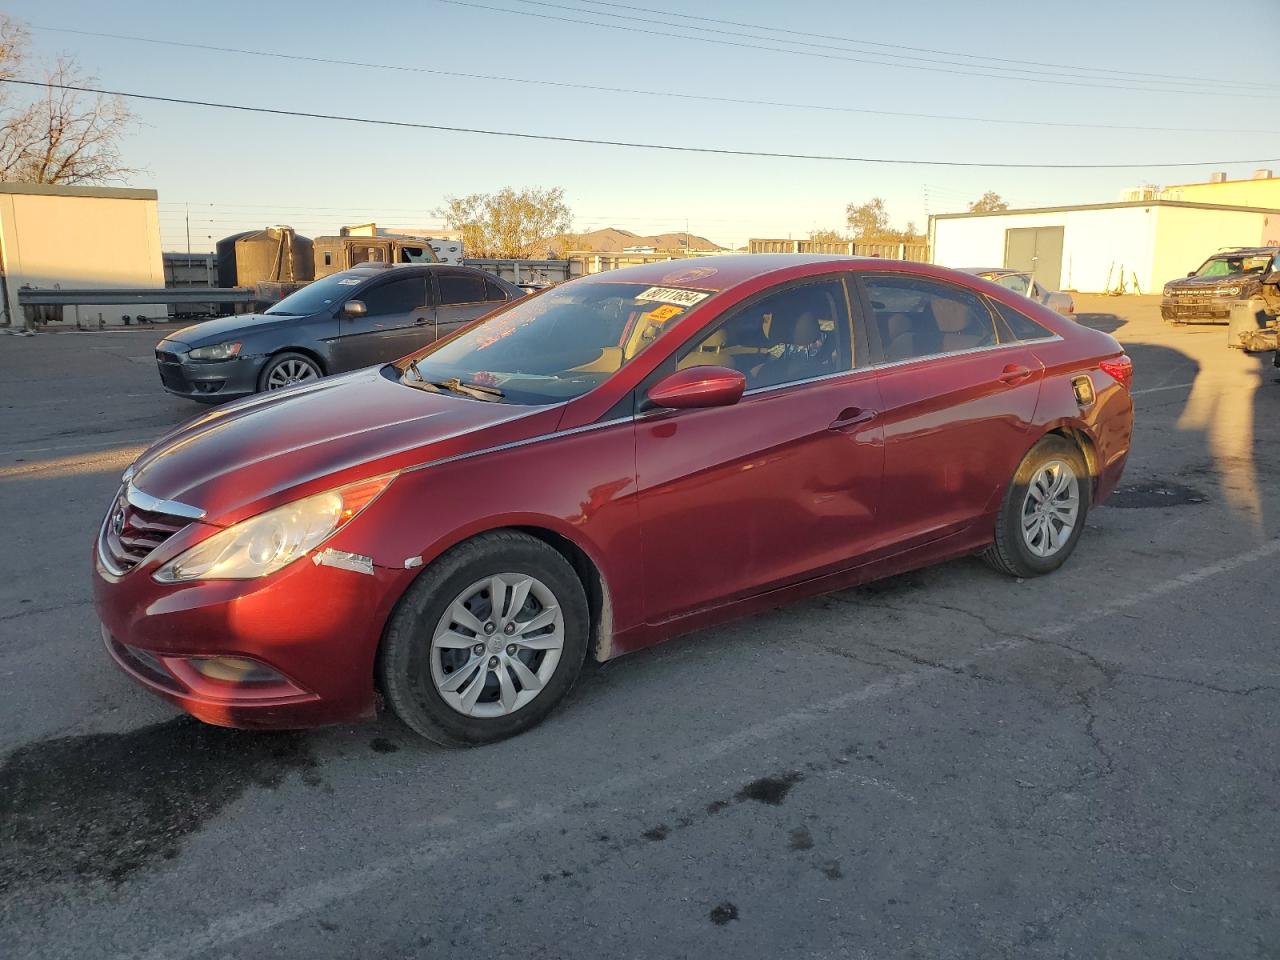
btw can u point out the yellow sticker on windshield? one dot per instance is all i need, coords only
(665, 313)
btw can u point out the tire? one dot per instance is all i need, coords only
(286, 369)
(430, 643)
(1043, 548)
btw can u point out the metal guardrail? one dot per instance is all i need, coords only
(111, 296)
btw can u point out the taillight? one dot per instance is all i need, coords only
(1119, 369)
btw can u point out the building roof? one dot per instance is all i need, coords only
(58, 190)
(1186, 204)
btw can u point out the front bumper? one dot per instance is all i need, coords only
(316, 626)
(1174, 308)
(210, 380)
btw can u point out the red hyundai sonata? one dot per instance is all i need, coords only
(591, 470)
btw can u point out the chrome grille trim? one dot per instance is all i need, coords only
(144, 501)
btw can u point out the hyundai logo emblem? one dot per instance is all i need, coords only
(117, 521)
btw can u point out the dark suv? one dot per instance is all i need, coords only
(371, 314)
(1207, 292)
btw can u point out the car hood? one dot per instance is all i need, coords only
(1210, 283)
(223, 328)
(250, 455)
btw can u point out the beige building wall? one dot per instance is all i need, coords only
(1264, 192)
(80, 237)
(1187, 236)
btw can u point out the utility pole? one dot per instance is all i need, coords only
(186, 206)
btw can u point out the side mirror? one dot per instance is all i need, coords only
(1191, 273)
(695, 387)
(354, 308)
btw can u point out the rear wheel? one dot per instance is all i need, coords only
(1043, 511)
(286, 369)
(487, 641)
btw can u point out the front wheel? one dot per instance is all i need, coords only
(487, 641)
(286, 369)
(1043, 511)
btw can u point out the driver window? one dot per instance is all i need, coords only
(797, 333)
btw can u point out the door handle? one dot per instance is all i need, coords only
(851, 417)
(1014, 373)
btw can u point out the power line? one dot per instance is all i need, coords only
(901, 46)
(671, 94)
(807, 53)
(635, 145)
(1177, 82)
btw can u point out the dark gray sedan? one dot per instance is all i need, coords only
(368, 315)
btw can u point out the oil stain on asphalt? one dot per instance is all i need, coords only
(97, 808)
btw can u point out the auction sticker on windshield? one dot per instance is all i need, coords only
(664, 313)
(681, 298)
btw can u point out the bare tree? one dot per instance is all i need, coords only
(989, 202)
(63, 136)
(508, 223)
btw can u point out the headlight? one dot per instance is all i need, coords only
(272, 540)
(219, 351)
(1226, 291)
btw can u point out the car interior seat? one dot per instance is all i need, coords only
(960, 328)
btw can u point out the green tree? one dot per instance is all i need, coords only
(868, 221)
(827, 236)
(510, 223)
(989, 202)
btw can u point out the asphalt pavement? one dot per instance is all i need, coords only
(946, 764)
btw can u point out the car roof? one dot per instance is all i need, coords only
(722, 271)
(1244, 252)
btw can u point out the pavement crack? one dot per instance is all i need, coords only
(35, 611)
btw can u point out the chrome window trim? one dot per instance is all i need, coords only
(145, 501)
(962, 353)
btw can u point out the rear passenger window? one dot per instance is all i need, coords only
(798, 333)
(493, 291)
(918, 317)
(1022, 327)
(459, 287)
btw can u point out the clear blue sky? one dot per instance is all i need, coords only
(239, 171)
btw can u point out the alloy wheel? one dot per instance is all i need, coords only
(497, 645)
(289, 372)
(1051, 508)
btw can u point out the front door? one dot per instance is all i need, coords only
(780, 487)
(1038, 251)
(397, 320)
(956, 405)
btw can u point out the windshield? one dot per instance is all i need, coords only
(1233, 266)
(557, 345)
(318, 295)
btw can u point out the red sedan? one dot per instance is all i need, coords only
(592, 470)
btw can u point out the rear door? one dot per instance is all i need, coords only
(781, 486)
(397, 320)
(463, 295)
(957, 404)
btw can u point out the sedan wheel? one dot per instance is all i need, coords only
(286, 369)
(488, 639)
(1043, 511)
(1051, 508)
(497, 645)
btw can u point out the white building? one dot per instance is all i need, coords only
(1136, 246)
(78, 238)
